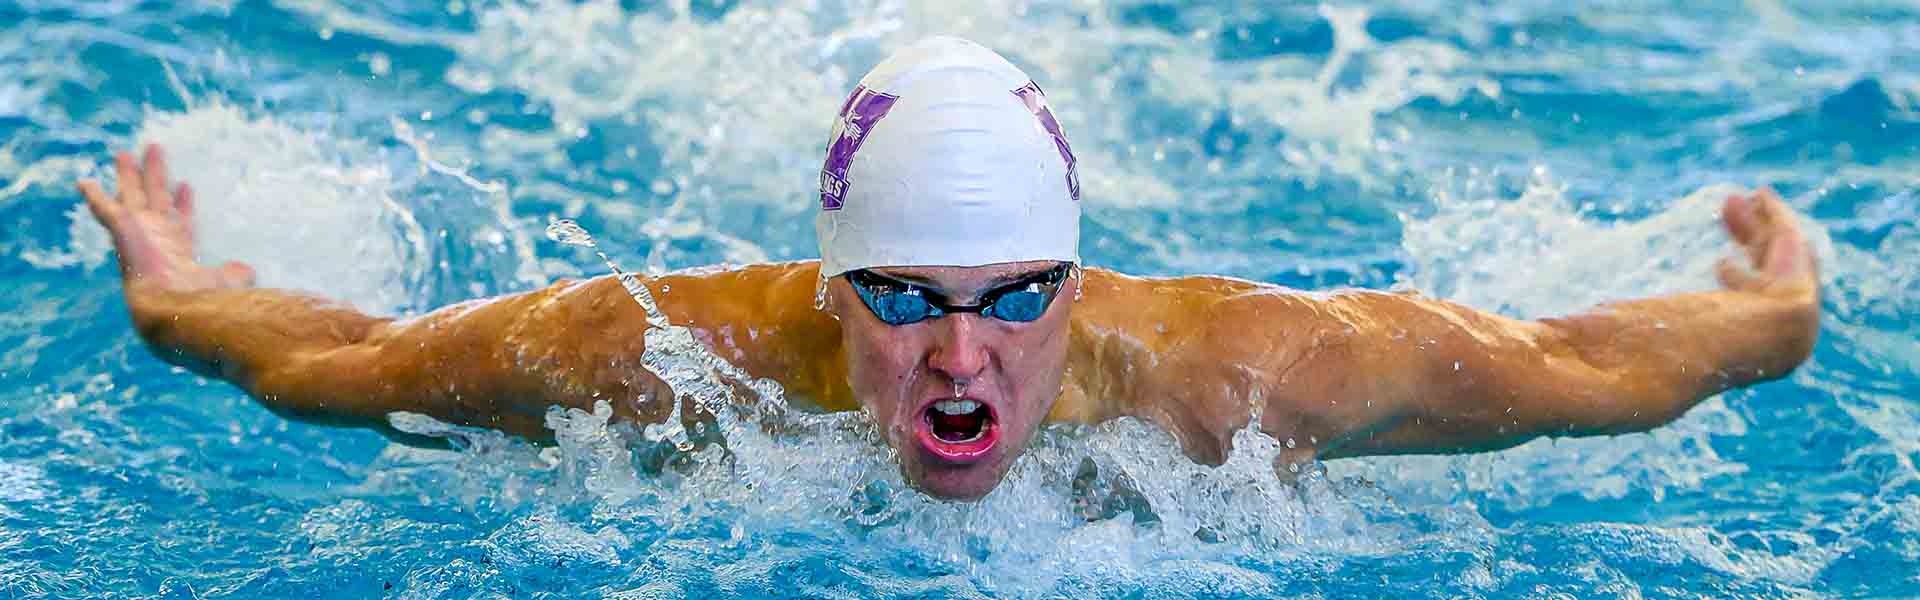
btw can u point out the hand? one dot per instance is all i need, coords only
(152, 229)
(1780, 263)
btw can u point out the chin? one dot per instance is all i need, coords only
(956, 482)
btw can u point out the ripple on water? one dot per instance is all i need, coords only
(681, 130)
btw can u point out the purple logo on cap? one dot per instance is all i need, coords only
(863, 109)
(1036, 101)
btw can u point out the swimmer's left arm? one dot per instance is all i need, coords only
(1399, 374)
(498, 363)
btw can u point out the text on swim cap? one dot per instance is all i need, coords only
(1036, 101)
(863, 109)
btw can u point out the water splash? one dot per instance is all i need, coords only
(315, 185)
(724, 126)
(694, 373)
(1122, 491)
(807, 487)
(567, 232)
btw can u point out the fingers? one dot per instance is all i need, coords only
(1781, 251)
(1778, 256)
(103, 208)
(1737, 213)
(1760, 223)
(183, 200)
(154, 177)
(1788, 255)
(128, 179)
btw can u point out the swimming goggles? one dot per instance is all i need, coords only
(897, 302)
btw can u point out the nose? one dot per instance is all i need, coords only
(959, 350)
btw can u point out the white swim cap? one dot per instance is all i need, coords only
(946, 155)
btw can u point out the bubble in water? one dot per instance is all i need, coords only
(379, 64)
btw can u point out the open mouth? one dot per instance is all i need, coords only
(958, 430)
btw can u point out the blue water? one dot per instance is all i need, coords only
(1531, 157)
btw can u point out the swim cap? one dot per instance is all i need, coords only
(946, 155)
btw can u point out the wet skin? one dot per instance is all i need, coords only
(1014, 369)
(1343, 374)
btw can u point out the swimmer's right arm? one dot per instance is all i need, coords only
(303, 357)
(496, 362)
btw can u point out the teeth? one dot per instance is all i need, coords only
(956, 407)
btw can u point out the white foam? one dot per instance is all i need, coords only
(307, 210)
(21, 483)
(726, 101)
(1538, 256)
(1053, 521)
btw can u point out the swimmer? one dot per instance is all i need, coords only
(957, 316)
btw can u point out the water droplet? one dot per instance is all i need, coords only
(570, 233)
(379, 64)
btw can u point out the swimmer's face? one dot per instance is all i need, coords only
(959, 396)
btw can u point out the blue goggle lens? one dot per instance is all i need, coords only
(901, 303)
(1021, 306)
(896, 308)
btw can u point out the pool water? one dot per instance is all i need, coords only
(1527, 157)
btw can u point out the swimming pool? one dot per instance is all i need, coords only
(1533, 158)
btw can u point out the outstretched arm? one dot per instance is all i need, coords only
(1361, 372)
(1424, 376)
(496, 363)
(307, 357)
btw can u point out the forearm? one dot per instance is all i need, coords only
(319, 361)
(237, 334)
(1396, 374)
(1663, 355)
